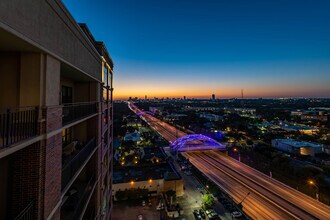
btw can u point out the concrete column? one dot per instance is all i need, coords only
(52, 81)
(30, 89)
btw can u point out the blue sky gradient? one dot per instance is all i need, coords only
(275, 48)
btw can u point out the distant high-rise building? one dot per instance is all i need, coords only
(145, 97)
(184, 97)
(56, 136)
(213, 96)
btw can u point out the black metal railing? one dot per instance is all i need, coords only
(71, 168)
(84, 197)
(75, 210)
(27, 213)
(18, 125)
(76, 111)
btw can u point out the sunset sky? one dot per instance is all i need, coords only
(172, 48)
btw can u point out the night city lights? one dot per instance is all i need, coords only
(166, 109)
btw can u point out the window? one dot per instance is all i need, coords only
(105, 75)
(110, 79)
(67, 136)
(66, 94)
(105, 116)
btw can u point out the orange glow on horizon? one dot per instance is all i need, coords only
(234, 91)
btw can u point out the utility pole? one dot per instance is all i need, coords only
(240, 204)
(242, 97)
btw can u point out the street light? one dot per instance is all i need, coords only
(239, 154)
(312, 183)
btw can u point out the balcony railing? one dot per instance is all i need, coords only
(71, 168)
(27, 213)
(76, 111)
(18, 125)
(73, 207)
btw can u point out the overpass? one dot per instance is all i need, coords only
(268, 198)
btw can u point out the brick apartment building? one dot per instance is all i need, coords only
(55, 115)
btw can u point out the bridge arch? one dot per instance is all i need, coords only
(195, 142)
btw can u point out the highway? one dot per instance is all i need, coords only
(268, 198)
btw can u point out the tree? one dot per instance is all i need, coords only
(208, 201)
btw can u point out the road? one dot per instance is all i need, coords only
(268, 198)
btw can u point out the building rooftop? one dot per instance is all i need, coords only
(143, 173)
(134, 136)
(298, 143)
(150, 152)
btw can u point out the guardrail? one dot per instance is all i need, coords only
(17, 125)
(27, 213)
(75, 111)
(71, 168)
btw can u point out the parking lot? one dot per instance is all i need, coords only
(125, 211)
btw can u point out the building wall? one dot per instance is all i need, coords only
(4, 189)
(48, 25)
(155, 185)
(160, 185)
(53, 51)
(176, 185)
(9, 70)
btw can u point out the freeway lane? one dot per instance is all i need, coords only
(256, 205)
(266, 195)
(268, 199)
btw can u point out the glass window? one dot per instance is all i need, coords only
(66, 94)
(105, 75)
(67, 136)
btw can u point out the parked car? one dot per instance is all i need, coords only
(197, 215)
(140, 217)
(143, 203)
(188, 172)
(160, 206)
(236, 214)
(202, 213)
(211, 214)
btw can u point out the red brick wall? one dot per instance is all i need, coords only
(53, 117)
(25, 180)
(53, 173)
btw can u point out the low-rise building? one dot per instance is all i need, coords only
(156, 178)
(241, 111)
(302, 129)
(297, 146)
(211, 117)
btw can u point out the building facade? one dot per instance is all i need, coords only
(297, 147)
(55, 115)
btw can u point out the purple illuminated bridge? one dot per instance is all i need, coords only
(196, 142)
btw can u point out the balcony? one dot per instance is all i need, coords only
(77, 198)
(27, 213)
(73, 158)
(18, 125)
(76, 111)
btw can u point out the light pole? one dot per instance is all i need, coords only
(241, 203)
(312, 183)
(239, 154)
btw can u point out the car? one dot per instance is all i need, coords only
(160, 206)
(143, 203)
(200, 188)
(188, 172)
(202, 213)
(197, 215)
(208, 211)
(236, 214)
(140, 217)
(228, 205)
(222, 200)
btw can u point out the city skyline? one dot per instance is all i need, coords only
(195, 49)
